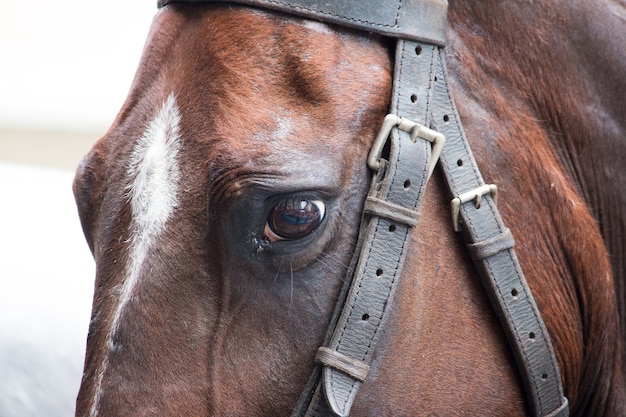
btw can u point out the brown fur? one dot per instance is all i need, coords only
(564, 126)
(217, 329)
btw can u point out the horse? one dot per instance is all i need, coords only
(225, 203)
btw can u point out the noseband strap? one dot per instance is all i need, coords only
(421, 95)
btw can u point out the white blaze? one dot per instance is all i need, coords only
(153, 176)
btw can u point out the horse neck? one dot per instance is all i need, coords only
(543, 88)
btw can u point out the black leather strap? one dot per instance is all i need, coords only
(408, 19)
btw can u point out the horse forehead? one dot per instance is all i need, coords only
(238, 73)
(241, 53)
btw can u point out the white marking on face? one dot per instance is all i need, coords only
(284, 128)
(153, 176)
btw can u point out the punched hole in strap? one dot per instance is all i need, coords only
(381, 208)
(491, 247)
(333, 359)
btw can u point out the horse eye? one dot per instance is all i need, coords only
(294, 218)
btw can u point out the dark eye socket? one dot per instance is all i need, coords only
(294, 218)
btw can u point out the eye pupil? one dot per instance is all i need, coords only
(294, 219)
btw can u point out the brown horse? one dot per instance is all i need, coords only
(209, 302)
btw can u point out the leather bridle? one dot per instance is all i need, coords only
(422, 117)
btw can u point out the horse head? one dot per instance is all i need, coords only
(223, 210)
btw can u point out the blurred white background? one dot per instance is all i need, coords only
(65, 69)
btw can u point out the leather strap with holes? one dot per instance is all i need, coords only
(391, 211)
(491, 246)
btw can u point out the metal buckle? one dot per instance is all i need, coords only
(476, 194)
(416, 130)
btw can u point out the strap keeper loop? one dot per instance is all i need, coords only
(333, 359)
(381, 208)
(491, 247)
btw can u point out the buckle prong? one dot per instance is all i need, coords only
(477, 195)
(416, 130)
